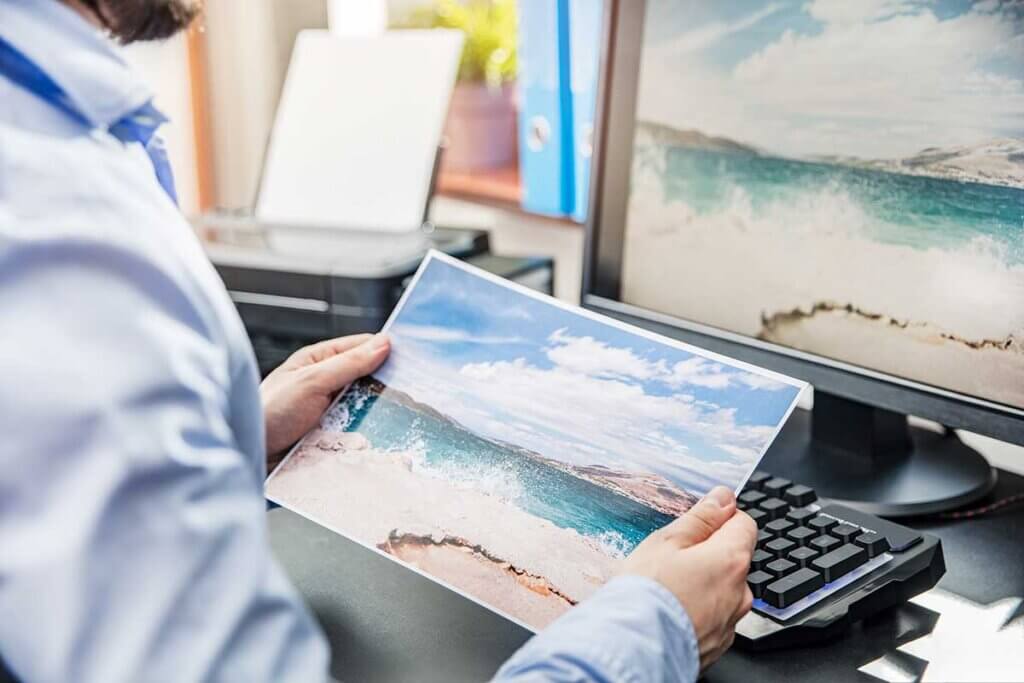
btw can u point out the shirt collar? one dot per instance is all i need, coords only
(84, 62)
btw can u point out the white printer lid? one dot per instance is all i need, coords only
(355, 139)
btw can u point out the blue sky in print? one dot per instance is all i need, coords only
(522, 370)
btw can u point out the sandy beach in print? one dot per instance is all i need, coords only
(523, 565)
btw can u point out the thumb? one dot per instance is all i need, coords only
(703, 519)
(340, 370)
(738, 532)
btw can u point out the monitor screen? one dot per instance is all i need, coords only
(841, 178)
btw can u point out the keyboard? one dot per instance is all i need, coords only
(820, 566)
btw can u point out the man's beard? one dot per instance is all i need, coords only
(134, 20)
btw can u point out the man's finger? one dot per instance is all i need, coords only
(738, 533)
(314, 353)
(703, 519)
(342, 369)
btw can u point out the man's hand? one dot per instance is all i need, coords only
(703, 558)
(296, 394)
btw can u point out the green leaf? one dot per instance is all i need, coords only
(490, 28)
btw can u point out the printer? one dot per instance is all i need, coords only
(288, 299)
(340, 220)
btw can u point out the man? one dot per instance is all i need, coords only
(136, 433)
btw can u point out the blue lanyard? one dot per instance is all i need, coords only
(138, 126)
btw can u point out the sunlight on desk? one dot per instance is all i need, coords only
(970, 642)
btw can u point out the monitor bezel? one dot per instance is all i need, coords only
(602, 265)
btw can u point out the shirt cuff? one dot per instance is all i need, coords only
(682, 649)
(632, 630)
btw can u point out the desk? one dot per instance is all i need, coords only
(386, 623)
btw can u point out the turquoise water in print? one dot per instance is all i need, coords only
(447, 450)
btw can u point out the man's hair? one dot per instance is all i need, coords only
(134, 20)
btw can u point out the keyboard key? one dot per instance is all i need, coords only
(759, 516)
(775, 486)
(900, 537)
(757, 581)
(821, 524)
(780, 547)
(791, 588)
(824, 544)
(760, 559)
(802, 556)
(779, 527)
(875, 544)
(800, 495)
(774, 507)
(801, 535)
(845, 532)
(757, 480)
(763, 537)
(751, 497)
(780, 567)
(800, 515)
(840, 561)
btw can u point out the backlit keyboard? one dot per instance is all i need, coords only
(819, 567)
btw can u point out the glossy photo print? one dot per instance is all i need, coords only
(515, 449)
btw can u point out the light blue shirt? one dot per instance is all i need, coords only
(633, 630)
(132, 522)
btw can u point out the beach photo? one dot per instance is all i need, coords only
(844, 178)
(516, 449)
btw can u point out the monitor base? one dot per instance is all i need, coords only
(909, 471)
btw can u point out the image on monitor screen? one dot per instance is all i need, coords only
(843, 178)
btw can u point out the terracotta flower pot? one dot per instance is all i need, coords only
(481, 128)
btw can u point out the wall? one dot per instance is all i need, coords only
(248, 45)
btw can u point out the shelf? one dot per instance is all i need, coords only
(499, 188)
(499, 185)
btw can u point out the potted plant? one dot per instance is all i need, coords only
(481, 129)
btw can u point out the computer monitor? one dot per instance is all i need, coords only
(834, 190)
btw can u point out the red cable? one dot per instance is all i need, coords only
(986, 509)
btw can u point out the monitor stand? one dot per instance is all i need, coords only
(873, 460)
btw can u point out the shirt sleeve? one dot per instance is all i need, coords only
(633, 630)
(132, 526)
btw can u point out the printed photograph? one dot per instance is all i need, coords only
(517, 450)
(842, 177)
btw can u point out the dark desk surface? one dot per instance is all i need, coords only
(386, 623)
